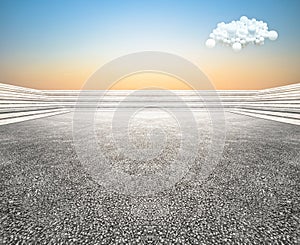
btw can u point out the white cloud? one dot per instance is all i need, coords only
(240, 33)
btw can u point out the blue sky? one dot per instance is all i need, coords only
(41, 36)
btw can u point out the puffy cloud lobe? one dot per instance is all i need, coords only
(238, 34)
(210, 43)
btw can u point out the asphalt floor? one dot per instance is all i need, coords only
(252, 196)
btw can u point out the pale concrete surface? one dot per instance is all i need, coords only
(281, 104)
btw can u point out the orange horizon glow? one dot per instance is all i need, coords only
(249, 70)
(226, 78)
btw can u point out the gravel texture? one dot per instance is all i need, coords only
(251, 197)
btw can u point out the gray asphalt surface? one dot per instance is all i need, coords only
(48, 197)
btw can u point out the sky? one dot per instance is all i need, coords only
(54, 44)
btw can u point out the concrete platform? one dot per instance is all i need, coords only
(281, 104)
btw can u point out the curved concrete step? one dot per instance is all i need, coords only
(275, 109)
(24, 109)
(31, 117)
(26, 113)
(268, 117)
(285, 114)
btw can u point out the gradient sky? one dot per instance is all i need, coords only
(55, 44)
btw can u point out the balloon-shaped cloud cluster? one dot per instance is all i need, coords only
(238, 34)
